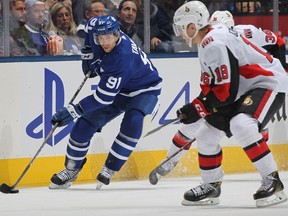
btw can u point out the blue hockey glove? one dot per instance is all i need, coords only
(87, 59)
(192, 112)
(65, 115)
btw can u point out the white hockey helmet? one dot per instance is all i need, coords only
(191, 12)
(224, 17)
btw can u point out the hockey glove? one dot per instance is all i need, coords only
(192, 112)
(65, 115)
(87, 58)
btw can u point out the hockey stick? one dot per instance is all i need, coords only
(4, 188)
(145, 123)
(153, 174)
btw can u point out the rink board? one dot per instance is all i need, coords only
(137, 167)
(32, 91)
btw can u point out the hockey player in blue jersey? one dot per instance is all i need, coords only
(129, 83)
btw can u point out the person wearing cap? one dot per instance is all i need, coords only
(31, 38)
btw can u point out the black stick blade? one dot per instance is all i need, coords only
(4, 188)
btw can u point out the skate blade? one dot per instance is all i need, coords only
(275, 199)
(204, 202)
(154, 177)
(53, 186)
(99, 185)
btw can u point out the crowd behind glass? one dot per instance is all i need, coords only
(56, 27)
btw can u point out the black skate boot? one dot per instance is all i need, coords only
(64, 179)
(104, 177)
(161, 171)
(205, 194)
(270, 192)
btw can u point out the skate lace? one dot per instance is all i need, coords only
(267, 183)
(202, 189)
(106, 172)
(67, 174)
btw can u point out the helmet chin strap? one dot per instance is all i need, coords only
(190, 42)
(191, 38)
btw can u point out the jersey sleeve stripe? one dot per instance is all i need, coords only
(100, 100)
(112, 94)
(132, 94)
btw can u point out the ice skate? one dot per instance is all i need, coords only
(205, 194)
(161, 171)
(65, 178)
(270, 192)
(104, 177)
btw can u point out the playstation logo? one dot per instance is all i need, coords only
(54, 97)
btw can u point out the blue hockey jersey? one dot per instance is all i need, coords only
(126, 70)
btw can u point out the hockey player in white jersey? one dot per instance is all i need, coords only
(129, 84)
(242, 87)
(266, 39)
(270, 41)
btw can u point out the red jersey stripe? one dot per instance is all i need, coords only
(262, 104)
(254, 70)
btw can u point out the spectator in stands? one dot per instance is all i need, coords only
(91, 8)
(17, 15)
(62, 24)
(16, 20)
(77, 8)
(127, 14)
(161, 29)
(130, 18)
(31, 38)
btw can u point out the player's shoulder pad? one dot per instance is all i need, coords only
(215, 36)
(246, 29)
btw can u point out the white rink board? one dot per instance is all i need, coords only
(28, 93)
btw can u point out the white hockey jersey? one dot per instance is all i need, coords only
(231, 66)
(270, 41)
(257, 35)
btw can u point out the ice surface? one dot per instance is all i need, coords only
(140, 198)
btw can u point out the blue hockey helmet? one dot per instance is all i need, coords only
(105, 25)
